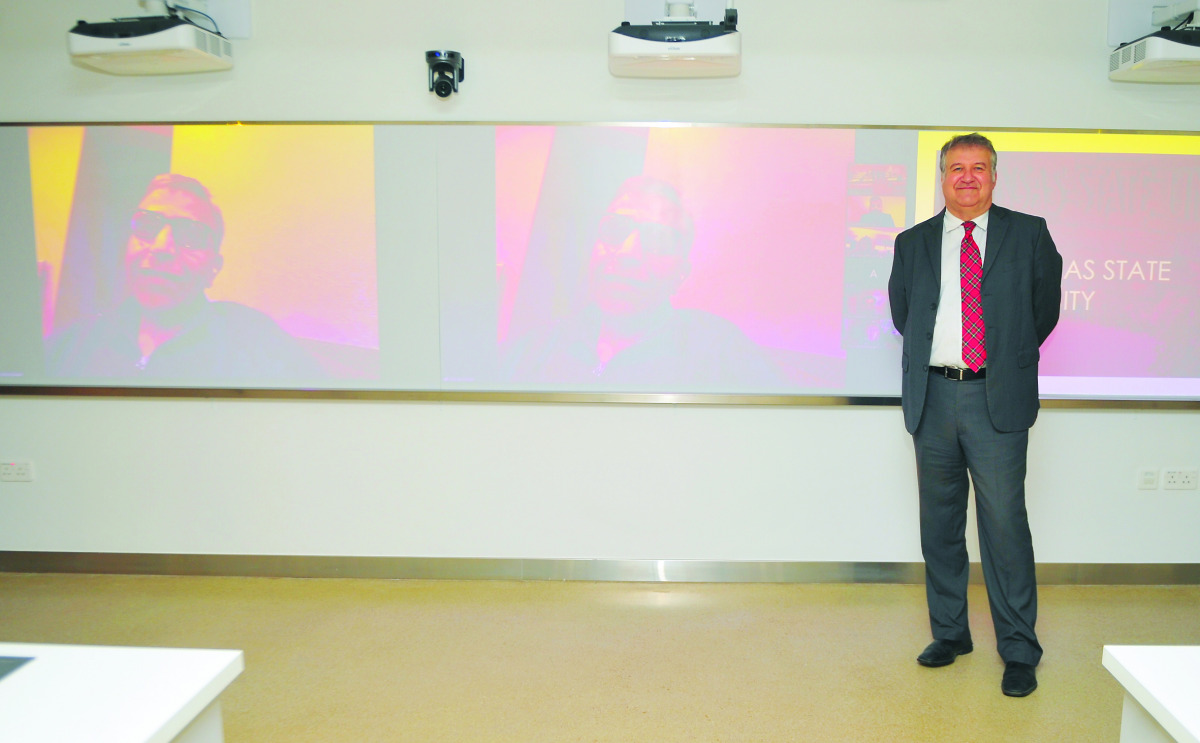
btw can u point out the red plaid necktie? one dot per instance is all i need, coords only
(971, 277)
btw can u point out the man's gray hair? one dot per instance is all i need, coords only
(966, 140)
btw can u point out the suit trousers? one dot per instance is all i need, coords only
(955, 439)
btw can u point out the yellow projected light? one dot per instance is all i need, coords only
(54, 162)
(272, 182)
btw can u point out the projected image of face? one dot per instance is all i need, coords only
(968, 181)
(640, 255)
(172, 254)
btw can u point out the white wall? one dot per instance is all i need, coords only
(560, 480)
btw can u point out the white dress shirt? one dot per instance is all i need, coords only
(947, 328)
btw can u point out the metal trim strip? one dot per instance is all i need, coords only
(592, 398)
(634, 571)
(629, 123)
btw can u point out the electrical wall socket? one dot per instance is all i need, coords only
(1180, 479)
(16, 471)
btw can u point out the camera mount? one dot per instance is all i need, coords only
(446, 71)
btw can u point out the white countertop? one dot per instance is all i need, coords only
(1165, 680)
(109, 694)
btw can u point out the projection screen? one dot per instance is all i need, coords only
(706, 260)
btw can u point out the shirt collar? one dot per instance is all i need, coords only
(951, 222)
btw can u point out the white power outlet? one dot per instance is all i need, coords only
(16, 471)
(1181, 479)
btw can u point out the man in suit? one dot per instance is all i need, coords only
(975, 291)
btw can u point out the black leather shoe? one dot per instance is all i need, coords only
(1019, 679)
(943, 652)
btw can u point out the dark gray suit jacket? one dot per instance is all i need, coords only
(1022, 287)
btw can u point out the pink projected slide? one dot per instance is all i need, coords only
(200, 254)
(1127, 228)
(673, 259)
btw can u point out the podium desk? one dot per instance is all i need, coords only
(113, 694)
(1162, 691)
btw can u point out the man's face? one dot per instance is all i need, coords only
(968, 181)
(639, 258)
(172, 254)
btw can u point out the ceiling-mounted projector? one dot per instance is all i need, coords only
(1169, 55)
(151, 45)
(1162, 57)
(677, 46)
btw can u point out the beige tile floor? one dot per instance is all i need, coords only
(336, 660)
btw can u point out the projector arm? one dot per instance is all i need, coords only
(1174, 14)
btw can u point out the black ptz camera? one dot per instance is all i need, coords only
(445, 72)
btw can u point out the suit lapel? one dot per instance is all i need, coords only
(933, 245)
(997, 228)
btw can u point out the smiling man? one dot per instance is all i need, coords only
(975, 291)
(166, 326)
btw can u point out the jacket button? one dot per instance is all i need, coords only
(929, 336)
